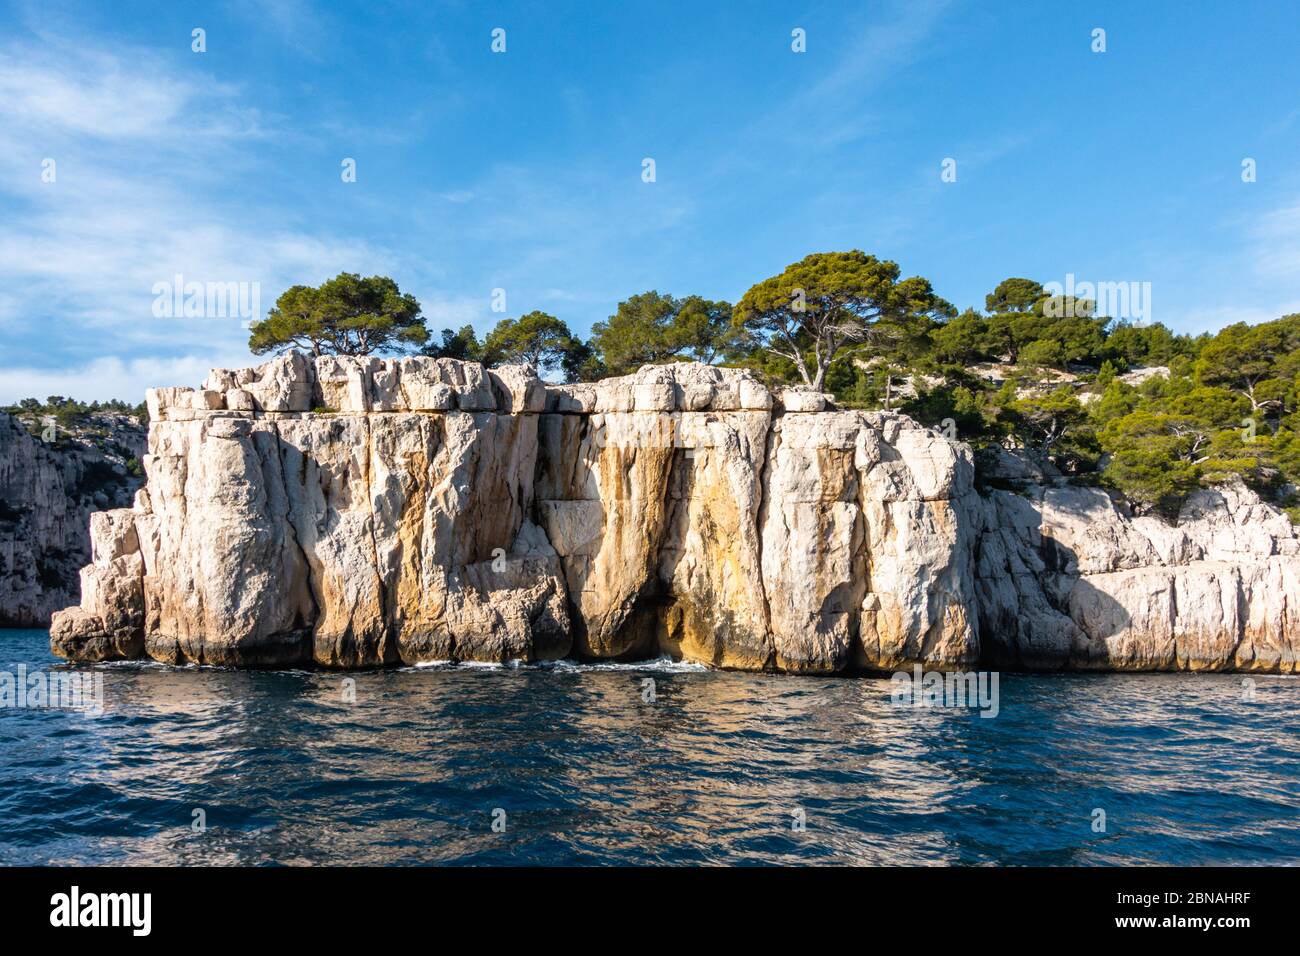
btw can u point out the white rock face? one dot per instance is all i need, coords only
(861, 551)
(49, 493)
(363, 512)
(1065, 580)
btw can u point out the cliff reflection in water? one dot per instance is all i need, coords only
(717, 769)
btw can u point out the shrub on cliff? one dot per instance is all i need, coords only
(1219, 406)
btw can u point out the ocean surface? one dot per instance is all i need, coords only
(575, 765)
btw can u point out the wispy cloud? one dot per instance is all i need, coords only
(109, 377)
(834, 109)
(1260, 256)
(1276, 245)
(103, 101)
(143, 153)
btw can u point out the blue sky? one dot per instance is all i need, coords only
(522, 170)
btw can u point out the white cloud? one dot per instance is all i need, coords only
(1276, 249)
(147, 158)
(109, 377)
(101, 98)
(837, 108)
(1253, 278)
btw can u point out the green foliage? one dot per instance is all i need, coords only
(976, 412)
(582, 363)
(462, 345)
(69, 414)
(703, 330)
(1047, 418)
(77, 422)
(1153, 459)
(1044, 340)
(1116, 400)
(346, 315)
(1260, 362)
(963, 340)
(538, 338)
(1131, 345)
(1228, 408)
(831, 303)
(637, 333)
(1058, 343)
(651, 328)
(1014, 295)
(1224, 416)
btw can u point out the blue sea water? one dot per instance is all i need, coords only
(581, 769)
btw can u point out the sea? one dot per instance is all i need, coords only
(651, 763)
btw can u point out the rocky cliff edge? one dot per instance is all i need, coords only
(369, 512)
(48, 490)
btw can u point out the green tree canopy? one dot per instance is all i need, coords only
(538, 338)
(1259, 362)
(702, 329)
(1056, 343)
(652, 327)
(346, 315)
(1045, 420)
(1152, 344)
(1014, 295)
(832, 303)
(963, 340)
(1049, 331)
(637, 333)
(463, 345)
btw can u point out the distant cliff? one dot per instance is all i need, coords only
(48, 489)
(367, 512)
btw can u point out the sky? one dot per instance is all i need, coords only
(127, 158)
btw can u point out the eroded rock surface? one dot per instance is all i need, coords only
(1066, 580)
(52, 481)
(370, 512)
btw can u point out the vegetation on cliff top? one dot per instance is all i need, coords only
(70, 413)
(101, 441)
(1135, 407)
(347, 315)
(1148, 413)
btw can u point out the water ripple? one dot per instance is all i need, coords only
(716, 770)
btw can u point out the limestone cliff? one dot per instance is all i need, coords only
(1065, 580)
(366, 512)
(48, 490)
